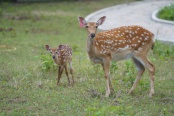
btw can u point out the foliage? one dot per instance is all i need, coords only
(114, 67)
(167, 13)
(47, 63)
(129, 72)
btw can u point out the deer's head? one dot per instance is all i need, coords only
(91, 26)
(53, 51)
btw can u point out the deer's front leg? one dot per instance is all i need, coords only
(110, 84)
(60, 71)
(106, 67)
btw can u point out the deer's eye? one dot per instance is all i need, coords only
(86, 26)
(51, 52)
(56, 52)
(96, 27)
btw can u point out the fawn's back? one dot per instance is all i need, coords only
(61, 54)
(64, 53)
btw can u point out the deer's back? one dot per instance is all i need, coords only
(64, 53)
(123, 38)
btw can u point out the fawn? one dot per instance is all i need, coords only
(117, 44)
(61, 56)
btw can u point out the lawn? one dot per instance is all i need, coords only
(28, 85)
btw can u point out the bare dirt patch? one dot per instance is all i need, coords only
(7, 48)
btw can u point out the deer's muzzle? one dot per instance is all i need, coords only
(92, 35)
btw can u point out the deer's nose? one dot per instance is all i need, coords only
(54, 57)
(92, 35)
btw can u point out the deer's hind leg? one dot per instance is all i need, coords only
(150, 67)
(141, 70)
(66, 70)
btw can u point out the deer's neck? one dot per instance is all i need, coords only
(90, 46)
(92, 52)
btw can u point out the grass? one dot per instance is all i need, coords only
(167, 13)
(28, 89)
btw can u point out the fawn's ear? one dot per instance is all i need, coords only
(61, 48)
(47, 47)
(82, 22)
(101, 20)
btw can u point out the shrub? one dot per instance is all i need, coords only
(47, 63)
(167, 13)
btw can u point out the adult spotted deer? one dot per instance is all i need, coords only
(61, 56)
(117, 44)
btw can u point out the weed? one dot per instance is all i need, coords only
(114, 67)
(129, 72)
(47, 63)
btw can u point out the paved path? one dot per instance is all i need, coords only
(136, 13)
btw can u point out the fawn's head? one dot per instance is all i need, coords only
(91, 26)
(53, 51)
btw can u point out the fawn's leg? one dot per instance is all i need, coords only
(67, 73)
(60, 71)
(71, 70)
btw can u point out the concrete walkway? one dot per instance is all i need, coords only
(136, 13)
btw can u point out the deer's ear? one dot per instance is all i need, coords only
(101, 20)
(47, 47)
(82, 22)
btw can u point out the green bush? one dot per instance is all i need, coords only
(47, 63)
(167, 13)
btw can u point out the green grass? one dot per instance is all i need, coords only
(26, 88)
(167, 13)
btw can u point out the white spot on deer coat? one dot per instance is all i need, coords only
(96, 43)
(122, 49)
(130, 35)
